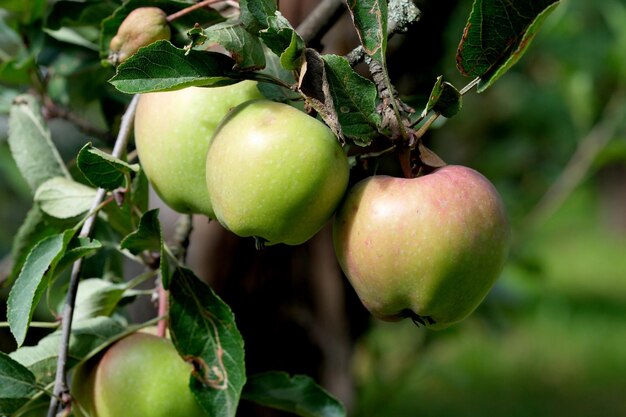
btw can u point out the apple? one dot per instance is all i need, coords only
(275, 173)
(141, 27)
(429, 248)
(141, 375)
(172, 134)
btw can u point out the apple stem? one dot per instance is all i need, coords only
(163, 309)
(404, 156)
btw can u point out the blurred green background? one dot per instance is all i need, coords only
(550, 340)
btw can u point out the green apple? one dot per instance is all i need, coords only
(429, 248)
(141, 27)
(275, 173)
(141, 375)
(172, 134)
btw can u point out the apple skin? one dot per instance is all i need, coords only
(172, 134)
(275, 173)
(429, 248)
(141, 375)
(141, 27)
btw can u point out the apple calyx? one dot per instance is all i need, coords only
(416, 318)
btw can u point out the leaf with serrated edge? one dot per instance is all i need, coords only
(63, 198)
(245, 48)
(254, 13)
(298, 394)
(444, 98)
(497, 34)
(79, 247)
(488, 79)
(31, 146)
(32, 281)
(203, 330)
(17, 384)
(284, 41)
(354, 99)
(97, 297)
(102, 169)
(33, 229)
(147, 236)
(163, 67)
(370, 21)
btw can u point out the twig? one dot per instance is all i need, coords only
(190, 9)
(60, 384)
(589, 147)
(318, 21)
(54, 111)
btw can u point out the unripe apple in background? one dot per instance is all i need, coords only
(428, 248)
(141, 375)
(275, 173)
(141, 27)
(172, 134)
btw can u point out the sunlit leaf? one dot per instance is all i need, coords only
(102, 169)
(32, 281)
(161, 66)
(29, 138)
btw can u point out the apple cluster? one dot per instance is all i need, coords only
(426, 248)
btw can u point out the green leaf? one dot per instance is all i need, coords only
(275, 69)
(79, 247)
(370, 21)
(102, 169)
(299, 395)
(66, 13)
(33, 280)
(254, 13)
(17, 384)
(203, 330)
(497, 34)
(33, 229)
(283, 40)
(26, 10)
(354, 99)
(63, 198)
(123, 219)
(147, 236)
(29, 138)
(97, 297)
(87, 337)
(16, 62)
(161, 66)
(245, 48)
(444, 98)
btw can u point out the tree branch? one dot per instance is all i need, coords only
(322, 18)
(60, 384)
